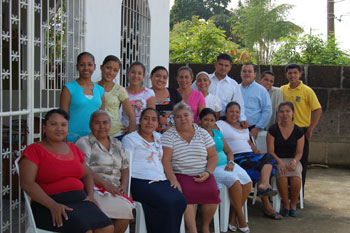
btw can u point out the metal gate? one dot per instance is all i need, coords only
(135, 37)
(40, 40)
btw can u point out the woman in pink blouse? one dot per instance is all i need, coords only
(193, 98)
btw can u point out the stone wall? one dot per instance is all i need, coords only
(330, 143)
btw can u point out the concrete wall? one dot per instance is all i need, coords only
(330, 143)
(103, 25)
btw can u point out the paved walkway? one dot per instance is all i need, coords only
(327, 206)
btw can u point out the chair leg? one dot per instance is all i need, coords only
(216, 221)
(224, 209)
(245, 211)
(140, 225)
(276, 200)
(301, 197)
(182, 227)
(255, 193)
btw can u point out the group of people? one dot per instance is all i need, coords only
(185, 143)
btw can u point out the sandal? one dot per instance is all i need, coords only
(285, 212)
(274, 216)
(244, 229)
(267, 192)
(232, 227)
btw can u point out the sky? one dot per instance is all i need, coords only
(311, 15)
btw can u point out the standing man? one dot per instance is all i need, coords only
(257, 100)
(224, 87)
(305, 102)
(267, 79)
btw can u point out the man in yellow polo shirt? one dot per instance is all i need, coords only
(307, 107)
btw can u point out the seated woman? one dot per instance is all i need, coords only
(285, 142)
(211, 101)
(193, 98)
(259, 166)
(227, 172)
(166, 98)
(106, 158)
(162, 204)
(189, 161)
(54, 174)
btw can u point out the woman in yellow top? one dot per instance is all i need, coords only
(116, 95)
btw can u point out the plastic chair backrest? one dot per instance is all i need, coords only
(129, 155)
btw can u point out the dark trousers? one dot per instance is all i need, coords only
(162, 204)
(305, 157)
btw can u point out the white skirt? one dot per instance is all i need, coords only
(228, 178)
(115, 207)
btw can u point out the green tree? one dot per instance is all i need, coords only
(261, 24)
(310, 49)
(183, 10)
(200, 41)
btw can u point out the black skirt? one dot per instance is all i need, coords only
(85, 215)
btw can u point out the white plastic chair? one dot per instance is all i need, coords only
(225, 209)
(30, 226)
(277, 199)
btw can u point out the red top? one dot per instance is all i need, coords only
(57, 173)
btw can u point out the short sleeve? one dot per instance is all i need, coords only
(208, 140)
(84, 145)
(201, 99)
(128, 143)
(175, 96)
(218, 106)
(299, 132)
(77, 152)
(100, 90)
(149, 94)
(122, 94)
(167, 139)
(32, 152)
(273, 130)
(314, 103)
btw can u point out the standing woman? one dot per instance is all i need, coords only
(81, 97)
(211, 101)
(116, 95)
(285, 142)
(193, 98)
(163, 205)
(140, 97)
(166, 98)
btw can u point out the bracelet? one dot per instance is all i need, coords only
(208, 173)
(232, 162)
(294, 161)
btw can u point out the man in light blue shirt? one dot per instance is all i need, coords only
(258, 109)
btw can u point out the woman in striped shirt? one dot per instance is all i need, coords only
(189, 159)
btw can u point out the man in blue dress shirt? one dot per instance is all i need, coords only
(258, 109)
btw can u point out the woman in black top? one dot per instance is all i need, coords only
(285, 142)
(166, 98)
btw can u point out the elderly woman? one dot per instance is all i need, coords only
(211, 101)
(162, 204)
(259, 166)
(166, 98)
(189, 161)
(193, 98)
(56, 177)
(285, 142)
(106, 158)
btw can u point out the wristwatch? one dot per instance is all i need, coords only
(231, 161)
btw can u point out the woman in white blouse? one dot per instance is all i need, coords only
(162, 204)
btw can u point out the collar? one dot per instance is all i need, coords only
(214, 77)
(298, 87)
(252, 84)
